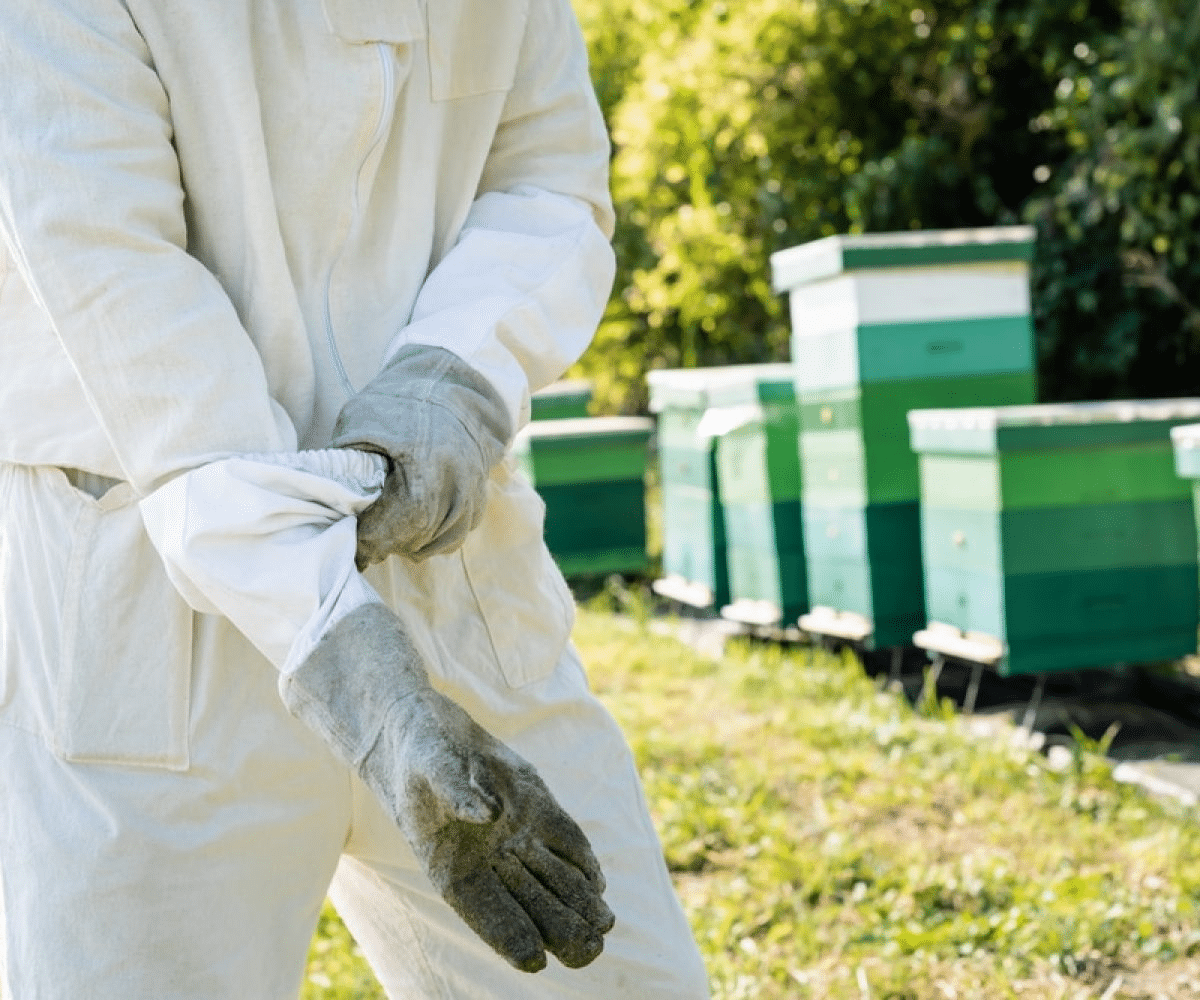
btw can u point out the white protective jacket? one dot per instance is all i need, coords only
(217, 217)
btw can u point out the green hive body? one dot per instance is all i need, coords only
(883, 324)
(590, 472)
(562, 400)
(1061, 531)
(752, 419)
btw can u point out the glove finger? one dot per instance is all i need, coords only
(398, 523)
(448, 537)
(569, 885)
(382, 530)
(567, 936)
(373, 545)
(490, 910)
(563, 836)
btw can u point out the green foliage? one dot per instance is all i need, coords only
(742, 127)
(1119, 288)
(337, 969)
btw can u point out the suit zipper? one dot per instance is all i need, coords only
(387, 106)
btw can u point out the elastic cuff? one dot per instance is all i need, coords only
(353, 468)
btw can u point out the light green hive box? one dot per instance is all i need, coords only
(693, 525)
(562, 400)
(752, 418)
(1060, 532)
(590, 472)
(882, 324)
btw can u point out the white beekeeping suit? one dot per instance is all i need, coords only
(219, 220)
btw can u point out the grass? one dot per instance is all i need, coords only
(830, 841)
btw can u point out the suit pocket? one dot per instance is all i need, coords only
(97, 643)
(474, 46)
(523, 599)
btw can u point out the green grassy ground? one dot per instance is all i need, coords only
(829, 841)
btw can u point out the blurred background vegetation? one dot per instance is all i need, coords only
(741, 127)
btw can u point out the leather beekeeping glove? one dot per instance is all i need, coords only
(483, 825)
(443, 428)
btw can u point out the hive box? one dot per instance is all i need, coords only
(1062, 532)
(752, 419)
(693, 524)
(590, 472)
(562, 400)
(883, 324)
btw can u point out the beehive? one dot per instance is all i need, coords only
(752, 418)
(693, 524)
(882, 324)
(562, 400)
(1061, 531)
(590, 472)
(694, 558)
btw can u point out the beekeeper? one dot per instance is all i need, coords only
(277, 280)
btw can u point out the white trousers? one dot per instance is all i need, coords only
(201, 875)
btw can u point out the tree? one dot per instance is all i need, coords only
(746, 126)
(1118, 283)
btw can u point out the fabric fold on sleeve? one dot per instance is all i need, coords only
(520, 295)
(268, 541)
(521, 292)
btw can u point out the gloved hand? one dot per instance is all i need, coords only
(486, 829)
(443, 428)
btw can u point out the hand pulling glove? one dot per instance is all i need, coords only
(443, 427)
(486, 829)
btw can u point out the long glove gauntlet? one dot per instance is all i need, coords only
(484, 826)
(443, 427)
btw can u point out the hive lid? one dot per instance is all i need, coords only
(698, 388)
(1054, 425)
(748, 384)
(679, 388)
(592, 429)
(566, 387)
(835, 255)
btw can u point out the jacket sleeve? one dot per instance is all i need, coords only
(268, 542)
(92, 212)
(521, 292)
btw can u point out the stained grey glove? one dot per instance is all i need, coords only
(486, 829)
(443, 427)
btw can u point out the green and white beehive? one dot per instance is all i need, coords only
(1060, 532)
(694, 557)
(752, 418)
(883, 324)
(562, 400)
(590, 472)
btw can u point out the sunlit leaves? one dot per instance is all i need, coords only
(747, 126)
